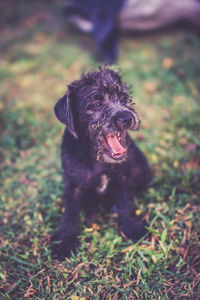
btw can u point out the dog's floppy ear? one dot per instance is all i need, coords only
(64, 114)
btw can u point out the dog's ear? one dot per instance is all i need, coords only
(63, 112)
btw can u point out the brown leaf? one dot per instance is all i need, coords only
(95, 226)
(167, 63)
(30, 292)
(150, 87)
(192, 164)
(74, 297)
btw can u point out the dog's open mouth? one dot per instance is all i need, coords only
(113, 144)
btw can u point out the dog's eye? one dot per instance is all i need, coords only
(97, 104)
(123, 101)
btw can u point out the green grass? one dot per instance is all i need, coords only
(37, 59)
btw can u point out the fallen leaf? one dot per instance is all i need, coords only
(154, 158)
(95, 226)
(138, 212)
(74, 297)
(192, 164)
(175, 163)
(90, 229)
(150, 87)
(167, 63)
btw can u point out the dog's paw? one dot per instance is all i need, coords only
(134, 230)
(63, 246)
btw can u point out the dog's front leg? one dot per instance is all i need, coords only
(65, 239)
(129, 223)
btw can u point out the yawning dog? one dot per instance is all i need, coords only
(101, 163)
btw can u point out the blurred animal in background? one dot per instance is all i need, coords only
(101, 163)
(105, 18)
(100, 18)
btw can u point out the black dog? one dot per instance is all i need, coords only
(101, 163)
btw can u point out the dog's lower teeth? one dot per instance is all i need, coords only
(117, 155)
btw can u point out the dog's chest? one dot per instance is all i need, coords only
(103, 184)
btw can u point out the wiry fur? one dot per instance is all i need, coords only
(91, 175)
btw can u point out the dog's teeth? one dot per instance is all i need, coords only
(118, 136)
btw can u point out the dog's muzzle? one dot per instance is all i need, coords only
(115, 141)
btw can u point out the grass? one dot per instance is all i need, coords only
(39, 54)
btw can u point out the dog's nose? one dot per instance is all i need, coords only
(124, 120)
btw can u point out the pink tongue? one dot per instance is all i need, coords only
(115, 145)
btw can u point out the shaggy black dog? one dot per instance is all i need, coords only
(102, 165)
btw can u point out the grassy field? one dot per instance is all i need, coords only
(39, 55)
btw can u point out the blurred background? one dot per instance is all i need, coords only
(41, 52)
